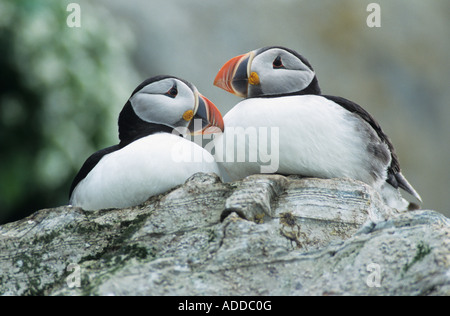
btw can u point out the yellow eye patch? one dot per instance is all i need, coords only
(188, 115)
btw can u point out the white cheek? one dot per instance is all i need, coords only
(161, 109)
(305, 79)
(285, 81)
(153, 108)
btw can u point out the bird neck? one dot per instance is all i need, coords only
(313, 88)
(131, 127)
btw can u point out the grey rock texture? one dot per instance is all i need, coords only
(264, 235)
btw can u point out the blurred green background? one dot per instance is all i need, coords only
(62, 88)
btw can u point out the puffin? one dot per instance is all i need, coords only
(316, 135)
(155, 153)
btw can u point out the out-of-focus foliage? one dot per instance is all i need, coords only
(61, 90)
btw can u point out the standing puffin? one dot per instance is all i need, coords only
(151, 157)
(318, 135)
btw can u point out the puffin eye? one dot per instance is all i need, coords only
(277, 63)
(172, 92)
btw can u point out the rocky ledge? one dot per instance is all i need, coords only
(264, 235)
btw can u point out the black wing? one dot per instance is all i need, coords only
(89, 164)
(395, 178)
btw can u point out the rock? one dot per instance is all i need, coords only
(264, 235)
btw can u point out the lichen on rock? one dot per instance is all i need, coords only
(264, 235)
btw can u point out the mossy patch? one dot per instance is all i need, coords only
(422, 250)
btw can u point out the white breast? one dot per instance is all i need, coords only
(305, 135)
(146, 167)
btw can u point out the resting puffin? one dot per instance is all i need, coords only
(319, 135)
(151, 157)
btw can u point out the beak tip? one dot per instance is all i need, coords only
(232, 77)
(224, 86)
(214, 120)
(223, 82)
(217, 82)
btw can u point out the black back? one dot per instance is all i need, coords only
(89, 164)
(393, 178)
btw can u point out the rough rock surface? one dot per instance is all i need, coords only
(265, 235)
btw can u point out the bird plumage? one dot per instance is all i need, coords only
(319, 135)
(130, 175)
(151, 157)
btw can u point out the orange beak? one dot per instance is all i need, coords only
(233, 76)
(207, 119)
